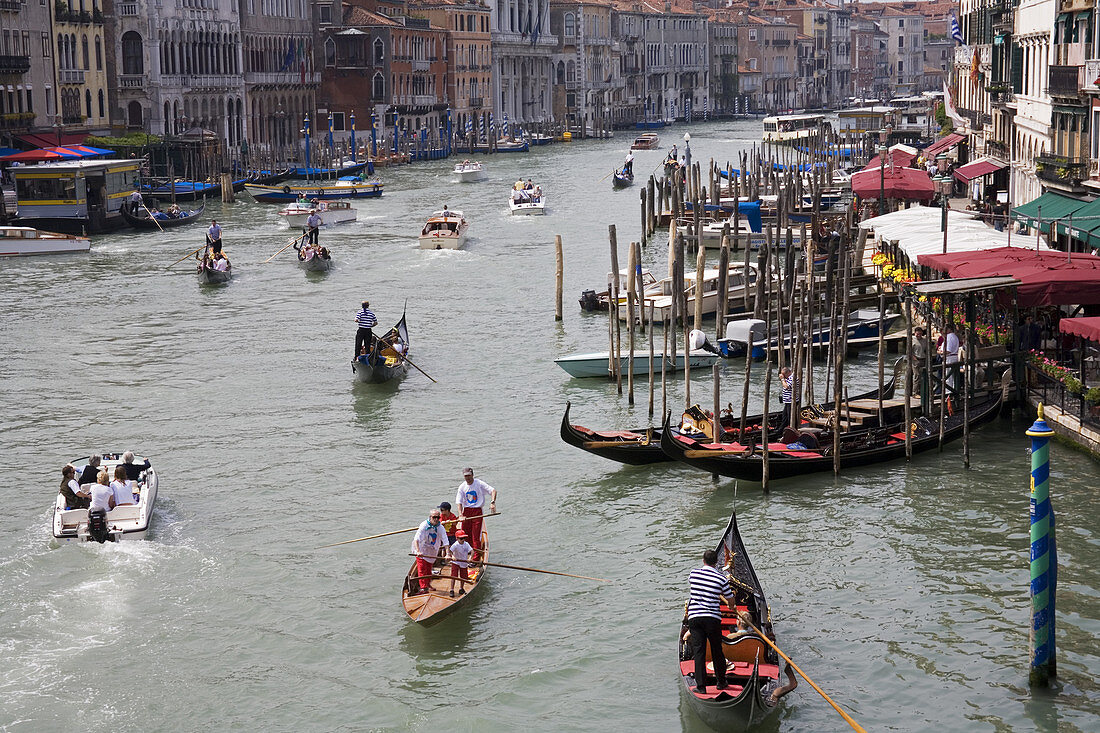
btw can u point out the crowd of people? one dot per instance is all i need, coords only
(97, 490)
(445, 537)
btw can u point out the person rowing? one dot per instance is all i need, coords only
(470, 500)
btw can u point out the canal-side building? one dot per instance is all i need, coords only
(769, 57)
(280, 77)
(179, 67)
(587, 74)
(523, 45)
(627, 22)
(27, 84)
(469, 57)
(829, 26)
(677, 59)
(80, 60)
(725, 90)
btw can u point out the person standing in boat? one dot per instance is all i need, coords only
(428, 544)
(135, 201)
(460, 555)
(628, 164)
(470, 500)
(786, 396)
(364, 337)
(313, 225)
(214, 235)
(708, 587)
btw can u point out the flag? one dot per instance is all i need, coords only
(537, 26)
(956, 32)
(289, 60)
(949, 107)
(975, 66)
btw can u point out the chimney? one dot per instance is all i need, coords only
(668, 6)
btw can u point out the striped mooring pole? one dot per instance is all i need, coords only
(1044, 558)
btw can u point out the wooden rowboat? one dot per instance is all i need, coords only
(622, 179)
(432, 607)
(209, 276)
(752, 667)
(315, 261)
(383, 363)
(146, 221)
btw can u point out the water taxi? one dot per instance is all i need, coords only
(445, 230)
(469, 171)
(646, 141)
(23, 241)
(331, 212)
(792, 128)
(82, 197)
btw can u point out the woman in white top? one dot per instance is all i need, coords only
(121, 487)
(103, 496)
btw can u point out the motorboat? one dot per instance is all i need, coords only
(506, 145)
(538, 139)
(126, 522)
(445, 230)
(331, 212)
(353, 189)
(646, 141)
(23, 241)
(527, 201)
(469, 171)
(751, 335)
(658, 300)
(598, 364)
(591, 301)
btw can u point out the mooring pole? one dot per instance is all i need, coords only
(1044, 558)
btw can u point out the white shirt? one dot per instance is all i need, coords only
(123, 493)
(460, 553)
(75, 486)
(629, 158)
(221, 265)
(101, 496)
(473, 495)
(951, 348)
(429, 541)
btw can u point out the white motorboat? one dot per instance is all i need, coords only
(527, 201)
(127, 522)
(469, 171)
(710, 235)
(591, 300)
(23, 241)
(660, 295)
(445, 230)
(331, 212)
(598, 364)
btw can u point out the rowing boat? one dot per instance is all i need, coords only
(388, 356)
(209, 276)
(622, 179)
(752, 666)
(149, 220)
(431, 607)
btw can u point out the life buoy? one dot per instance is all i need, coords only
(286, 189)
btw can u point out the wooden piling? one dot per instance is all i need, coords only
(631, 298)
(613, 307)
(559, 276)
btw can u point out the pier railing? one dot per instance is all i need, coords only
(1051, 390)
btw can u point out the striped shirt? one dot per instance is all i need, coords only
(708, 584)
(786, 395)
(366, 319)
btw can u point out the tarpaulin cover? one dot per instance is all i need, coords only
(1087, 327)
(902, 159)
(977, 169)
(898, 183)
(1046, 278)
(1050, 206)
(34, 156)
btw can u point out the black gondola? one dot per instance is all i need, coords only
(145, 220)
(622, 179)
(858, 447)
(643, 446)
(388, 357)
(752, 667)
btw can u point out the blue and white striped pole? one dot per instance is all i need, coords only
(1044, 558)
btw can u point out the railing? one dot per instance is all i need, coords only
(1002, 97)
(13, 5)
(475, 102)
(997, 149)
(71, 76)
(1052, 391)
(281, 77)
(420, 65)
(1068, 54)
(15, 64)
(203, 81)
(77, 16)
(416, 100)
(16, 120)
(131, 81)
(72, 119)
(1064, 81)
(127, 9)
(781, 42)
(1061, 169)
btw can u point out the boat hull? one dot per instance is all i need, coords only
(597, 364)
(470, 176)
(288, 194)
(448, 241)
(328, 218)
(148, 222)
(622, 181)
(316, 264)
(210, 276)
(536, 209)
(51, 245)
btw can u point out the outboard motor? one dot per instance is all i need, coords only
(589, 301)
(698, 340)
(97, 526)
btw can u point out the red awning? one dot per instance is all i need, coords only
(36, 156)
(899, 183)
(977, 169)
(1046, 278)
(49, 139)
(901, 158)
(1087, 327)
(942, 145)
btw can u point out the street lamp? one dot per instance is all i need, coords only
(943, 185)
(882, 151)
(305, 133)
(280, 128)
(687, 150)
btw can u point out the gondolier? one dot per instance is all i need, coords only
(628, 164)
(364, 337)
(428, 544)
(704, 618)
(214, 234)
(786, 396)
(313, 224)
(470, 500)
(135, 201)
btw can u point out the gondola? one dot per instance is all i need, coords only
(862, 447)
(269, 178)
(183, 191)
(622, 179)
(752, 666)
(209, 276)
(315, 261)
(643, 445)
(432, 607)
(148, 222)
(384, 363)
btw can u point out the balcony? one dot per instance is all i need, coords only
(1068, 54)
(126, 10)
(1092, 75)
(421, 65)
(476, 102)
(131, 81)
(15, 64)
(81, 17)
(16, 120)
(997, 149)
(280, 78)
(1061, 169)
(203, 81)
(781, 42)
(70, 76)
(415, 100)
(13, 5)
(76, 119)
(1065, 81)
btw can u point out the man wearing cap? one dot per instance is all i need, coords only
(364, 337)
(429, 543)
(472, 493)
(460, 555)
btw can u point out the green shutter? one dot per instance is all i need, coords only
(1017, 69)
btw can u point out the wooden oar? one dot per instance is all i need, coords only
(269, 259)
(847, 718)
(150, 213)
(387, 534)
(605, 177)
(429, 376)
(518, 567)
(189, 254)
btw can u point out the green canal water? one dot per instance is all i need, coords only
(901, 589)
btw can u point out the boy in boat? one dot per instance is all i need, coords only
(449, 518)
(460, 555)
(428, 544)
(472, 493)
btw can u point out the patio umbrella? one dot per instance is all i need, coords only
(36, 156)
(897, 183)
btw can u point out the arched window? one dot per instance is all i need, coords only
(570, 72)
(378, 90)
(103, 108)
(84, 53)
(330, 52)
(570, 24)
(379, 51)
(134, 116)
(132, 62)
(88, 101)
